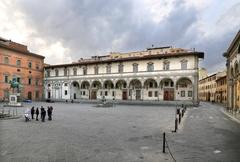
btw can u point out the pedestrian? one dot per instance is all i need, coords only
(43, 114)
(32, 112)
(49, 112)
(37, 113)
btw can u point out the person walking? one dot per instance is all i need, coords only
(43, 114)
(32, 112)
(49, 112)
(37, 113)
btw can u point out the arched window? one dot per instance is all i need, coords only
(56, 72)
(74, 71)
(166, 65)
(184, 64)
(108, 69)
(30, 65)
(65, 72)
(120, 68)
(135, 67)
(150, 67)
(96, 70)
(85, 70)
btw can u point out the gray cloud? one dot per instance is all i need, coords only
(89, 27)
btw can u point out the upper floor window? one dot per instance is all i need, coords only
(150, 67)
(6, 78)
(56, 72)
(75, 71)
(37, 66)
(184, 64)
(65, 71)
(6, 60)
(108, 69)
(96, 70)
(84, 70)
(30, 65)
(29, 81)
(135, 67)
(48, 73)
(120, 68)
(166, 65)
(18, 62)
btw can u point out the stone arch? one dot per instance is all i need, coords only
(120, 84)
(150, 83)
(184, 87)
(166, 82)
(167, 89)
(96, 84)
(108, 84)
(85, 85)
(75, 90)
(135, 84)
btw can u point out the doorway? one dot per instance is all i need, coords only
(168, 95)
(138, 94)
(124, 95)
(94, 95)
(30, 95)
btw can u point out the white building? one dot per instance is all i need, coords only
(163, 73)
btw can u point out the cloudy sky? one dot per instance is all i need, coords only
(66, 30)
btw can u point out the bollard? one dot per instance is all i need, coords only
(176, 124)
(180, 118)
(164, 141)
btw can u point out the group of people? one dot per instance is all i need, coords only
(42, 112)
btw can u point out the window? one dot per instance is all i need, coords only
(106, 93)
(37, 94)
(37, 67)
(189, 93)
(29, 81)
(56, 72)
(156, 93)
(182, 93)
(65, 92)
(135, 67)
(83, 93)
(113, 94)
(84, 70)
(166, 84)
(184, 64)
(120, 68)
(65, 72)
(108, 69)
(96, 70)
(30, 65)
(166, 65)
(150, 67)
(100, 93)
(36, 82)
(18, 62)
(150, 94)
(75, 71)
(65, 84)
(48, 73)
(6, 79)
(6, 60)
(18, 79)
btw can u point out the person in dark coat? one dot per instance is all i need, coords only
(32, 112)
(49, 112)
(43, 114)
(37, 113)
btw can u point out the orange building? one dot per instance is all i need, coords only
(26, 67)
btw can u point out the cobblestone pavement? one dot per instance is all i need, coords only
(207, 135)
(84, 133)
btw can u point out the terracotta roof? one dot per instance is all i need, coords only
(157, 56)
(20, 50)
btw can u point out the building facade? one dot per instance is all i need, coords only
(233, 78)
(207, 88)
(221, 90)
(163, 73)
(16, 62)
